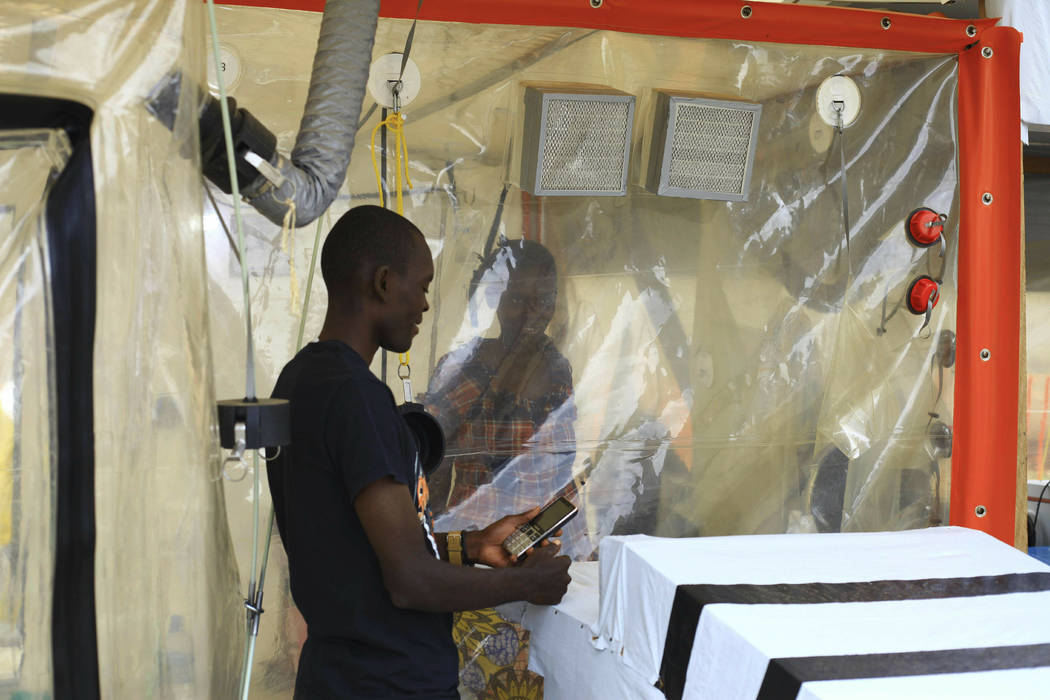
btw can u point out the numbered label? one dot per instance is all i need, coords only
(229, 64)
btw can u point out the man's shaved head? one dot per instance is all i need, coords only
(362, 240)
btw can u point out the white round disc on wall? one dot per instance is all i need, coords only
(838, 88)
(383, 76)
(230, 65)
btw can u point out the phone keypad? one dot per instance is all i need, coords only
(522, 539)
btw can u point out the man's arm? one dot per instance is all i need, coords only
(416, 580)
(486, 546)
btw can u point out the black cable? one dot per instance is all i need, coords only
(408, 41)
(386, 203)
(401, 74)
(1039, 502)
(496, 220)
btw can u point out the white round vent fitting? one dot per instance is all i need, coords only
(838, 89)
(383, 76)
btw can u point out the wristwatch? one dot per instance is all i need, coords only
(454, 545)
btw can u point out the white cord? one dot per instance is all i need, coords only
(249, 382)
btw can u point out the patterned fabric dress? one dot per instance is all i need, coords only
(509, 448)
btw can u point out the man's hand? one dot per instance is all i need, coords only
(551, 576)
(416, 580)
(486, 546)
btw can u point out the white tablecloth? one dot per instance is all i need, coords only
(562, 652)
(619, 637)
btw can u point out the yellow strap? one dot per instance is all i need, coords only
(395, 123)
(454, 547)
(288, 246)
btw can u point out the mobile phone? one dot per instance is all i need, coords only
(552, 517)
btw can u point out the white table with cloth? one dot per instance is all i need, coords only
(940, 612)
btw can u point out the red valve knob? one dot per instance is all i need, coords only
(924, 227)
(921, 293)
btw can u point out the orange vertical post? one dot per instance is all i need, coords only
(984, 459)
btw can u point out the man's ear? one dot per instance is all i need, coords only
(381, 281)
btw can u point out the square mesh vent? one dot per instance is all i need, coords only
(702, 148)
(576, 143)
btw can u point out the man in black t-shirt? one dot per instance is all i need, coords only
(374, 583)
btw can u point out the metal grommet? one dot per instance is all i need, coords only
(987, 198)
(745, 11)
(986, 354)
(987, 52)
(596, 3)
(886, 23)
(980, 511)
(971, 30)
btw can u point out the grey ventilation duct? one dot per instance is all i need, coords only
(311, 177)
(317, 167)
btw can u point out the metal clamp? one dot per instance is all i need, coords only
(396, 86)
(240, 439)
(240, 444)
(255, 422)
(839, 106)
(404, 372)
(253, 604)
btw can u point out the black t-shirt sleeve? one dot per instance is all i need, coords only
(363, 436)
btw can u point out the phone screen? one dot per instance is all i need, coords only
(553, 514)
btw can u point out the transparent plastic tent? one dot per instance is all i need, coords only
(712, 367)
